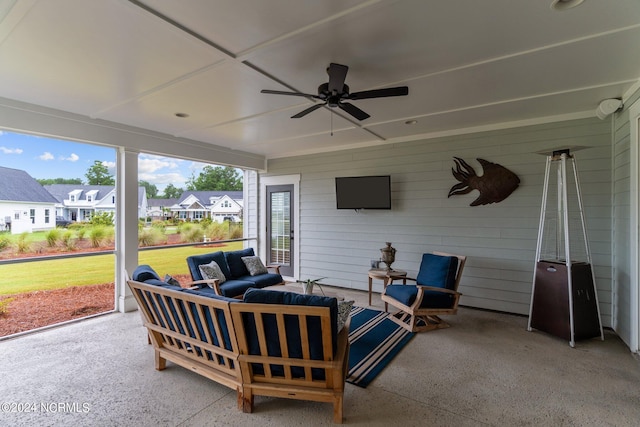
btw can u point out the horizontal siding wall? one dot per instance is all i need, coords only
(621, 283)
(499, 239)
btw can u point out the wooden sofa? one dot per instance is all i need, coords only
(244, 345)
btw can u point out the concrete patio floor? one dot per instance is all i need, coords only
(484, 370)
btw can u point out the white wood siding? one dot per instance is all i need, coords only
(499, 239)
(621, 283)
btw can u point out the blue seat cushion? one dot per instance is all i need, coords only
(144, 272)
(195, 261)
(237, 267)
(263, 280)
(438, 271)
(233, 288)
(406, 294)
(292, 326)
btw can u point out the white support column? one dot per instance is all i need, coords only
(126, 226)
(634, 238)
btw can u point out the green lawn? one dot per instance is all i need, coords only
(63, 273)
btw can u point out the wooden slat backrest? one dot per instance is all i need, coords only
(255, 313)
(178, 321)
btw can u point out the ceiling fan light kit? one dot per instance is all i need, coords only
(335, 92)
(565, 4)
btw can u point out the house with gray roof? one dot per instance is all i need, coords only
(160, 209)
(25, 205)
(79, 202)
(217, 205)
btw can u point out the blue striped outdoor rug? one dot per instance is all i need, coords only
(375, 340)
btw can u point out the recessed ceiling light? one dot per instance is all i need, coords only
(565, 4)
(410, 122)
(182, 115)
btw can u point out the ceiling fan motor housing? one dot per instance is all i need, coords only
(332, 99)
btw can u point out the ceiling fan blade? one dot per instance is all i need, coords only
(279, 92)
(380, 93)
(353, 110)
(337, 75)
(307, 111)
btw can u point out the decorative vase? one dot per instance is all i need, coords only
(307, 288)
(388, 255)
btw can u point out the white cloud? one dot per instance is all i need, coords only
(46, 156)
(73, 157)
(149, 164)
(111, 166)
(6, 150)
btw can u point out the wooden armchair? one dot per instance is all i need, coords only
(291, 351)
(435, 293)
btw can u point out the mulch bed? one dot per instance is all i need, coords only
(43, 308)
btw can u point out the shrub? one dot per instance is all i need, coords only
(4, 305)
(236, 232)
(22, 245)
(102, 218)
(217, 231)
(81, 232)
(184, 227)
(98, 234)
(150, 236)
(5, 242)
(67, 240)
(158, 224)
(52, 237)
(193, 234)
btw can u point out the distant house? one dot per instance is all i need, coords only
(25, 205)
(160, 209)
(79, 202)
(217, 205)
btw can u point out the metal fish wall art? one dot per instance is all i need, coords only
(495, 184)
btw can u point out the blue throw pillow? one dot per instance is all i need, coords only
(438, 271)
(195, 261)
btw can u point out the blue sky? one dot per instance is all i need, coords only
(51, 158)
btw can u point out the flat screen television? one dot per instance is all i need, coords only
(363, 192)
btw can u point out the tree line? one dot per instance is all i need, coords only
(211, 178)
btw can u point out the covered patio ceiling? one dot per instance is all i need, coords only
(468, 65)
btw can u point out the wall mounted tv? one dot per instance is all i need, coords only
(363, 192)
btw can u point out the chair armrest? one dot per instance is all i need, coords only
(342, 352)
(420, 296)
(212, 283)
(275, 267)
(443, 290)
(392, 278)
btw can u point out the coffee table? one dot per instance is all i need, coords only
(385, 275)
(297, 288)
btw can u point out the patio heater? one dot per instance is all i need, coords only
(564, 301)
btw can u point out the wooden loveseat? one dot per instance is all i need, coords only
(279, 344)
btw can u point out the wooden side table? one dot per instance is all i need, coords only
(385, 275)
